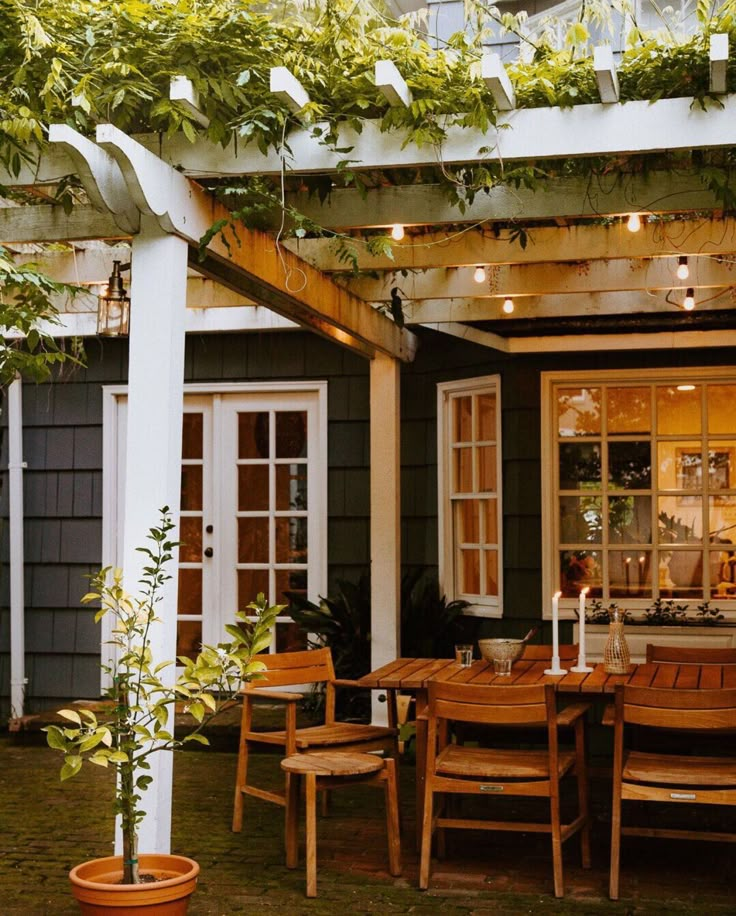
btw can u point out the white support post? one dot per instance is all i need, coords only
(181, 90)
(385, 516)
(494, 75)
(17, 593)
(605, 74)
(285, 86)
(392, 84)
(718, 62)
(153, 459)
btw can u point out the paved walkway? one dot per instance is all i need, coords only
(46, 827)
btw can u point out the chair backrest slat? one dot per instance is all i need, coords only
(678, 709)
(512, 705)
(284, 669)
(690, 655)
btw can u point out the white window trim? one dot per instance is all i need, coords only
(112, 461)
(548, 432)
(494, 608)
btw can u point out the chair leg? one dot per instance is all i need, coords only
(554, 805)
(392, 817)
(311, 834)
(426, 842)
(240, 781)
(613, 886)
(581, 773)
(292, 819)
(444, 809)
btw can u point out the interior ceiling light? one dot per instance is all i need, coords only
(480, 274)
(508, 305)
(688, 303)
(397, 232)
(686, 387)
(634, 223)
(683, 271)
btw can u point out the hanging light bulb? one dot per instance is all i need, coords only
(397, 232)
(634, 223)
(683, 271)
(480, 274)
(688, 302)
(508, 305)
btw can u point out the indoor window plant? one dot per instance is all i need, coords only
(142, 706)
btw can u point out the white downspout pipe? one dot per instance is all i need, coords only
(16, 465)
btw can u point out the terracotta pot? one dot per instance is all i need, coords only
(96, 886)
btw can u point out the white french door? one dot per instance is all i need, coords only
(253, 503)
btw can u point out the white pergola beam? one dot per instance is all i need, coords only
(494, 75)
(718, 62)
(181, 90)
(49, 223)
(392, 84)
(605, 74)
(538, 133)
(287, 88)
(545, 278)
(663, 192)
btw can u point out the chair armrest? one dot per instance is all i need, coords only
(265, 693)
(570, 714)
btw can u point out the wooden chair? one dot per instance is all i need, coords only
(669, 777)
(289, 669)
(459, 770)
(688, 655)
(543, 653)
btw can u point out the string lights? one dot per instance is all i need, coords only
(634, 223)
(688, 302)
(683, 271)
(508, 305)
(480, 274)
(397, 232)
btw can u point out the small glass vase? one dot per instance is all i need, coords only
(616, 658)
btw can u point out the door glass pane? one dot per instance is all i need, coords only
(290, 638)
(252, 487)
(291, 434)
(253, 435)
(722, 514)
(463, 477)
(680, 519)
(680, 465)
(580, 466)
(191, 487)
(190, 591)
(487, 468)
(678, 411)
(190, 548)
(291, 486)
(685, 570)
(290, 580)
(628, 573)
(630, 465)
(189, 638)
(723, 572)
(721, 458)
(192, 435)
(291, 540)
(469, 577)
(721, 401)
(580, 569)
(579, 411)
(490, 508)
(581, 519)
(630, 520)
(250, 583)
(491, 557)
(486, 421)
(467, 521)
(629, 411)
(462, 428)
(253, 540)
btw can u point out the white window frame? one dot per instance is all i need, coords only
(491, 606)
(114, 403)
(550, 527)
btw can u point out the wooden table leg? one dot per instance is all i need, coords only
(292, 820)
(392, 817)
(311, 819)
(421, 762)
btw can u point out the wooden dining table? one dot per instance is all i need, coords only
(412, 675)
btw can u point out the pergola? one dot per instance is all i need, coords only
(581, 279)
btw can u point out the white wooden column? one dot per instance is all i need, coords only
(153, 458)
(385, 516)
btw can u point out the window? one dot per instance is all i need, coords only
(641, 503)
(469, 466)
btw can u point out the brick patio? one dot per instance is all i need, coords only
(46, 827)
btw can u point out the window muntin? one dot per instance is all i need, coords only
(469, 492)
(644, 501)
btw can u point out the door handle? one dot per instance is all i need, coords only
(209, 552)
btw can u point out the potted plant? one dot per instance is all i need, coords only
(142, 700)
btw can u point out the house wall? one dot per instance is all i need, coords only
(63, 481)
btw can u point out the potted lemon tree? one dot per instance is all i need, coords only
(137, 724)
